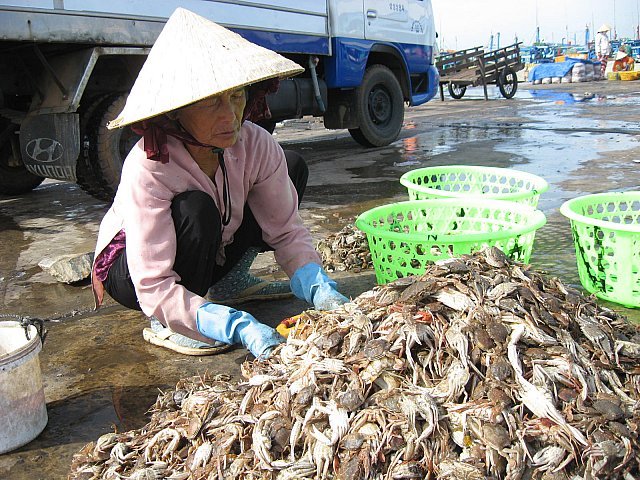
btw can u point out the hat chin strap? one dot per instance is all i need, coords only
(226, 196)
(155, 133)
(186, 137)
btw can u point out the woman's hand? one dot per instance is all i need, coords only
(311, 283)
(228, 325)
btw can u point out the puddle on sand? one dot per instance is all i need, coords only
(124, 408)
(556, 156)
(14, 241)
(567, 119)
(565, 98)
(437, 147)
(550, 154)
(27, 228)
(562, 110)
(558, 97)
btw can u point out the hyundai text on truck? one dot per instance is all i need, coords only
(66, 67)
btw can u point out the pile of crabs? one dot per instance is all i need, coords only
(480, 368)
(345, 250)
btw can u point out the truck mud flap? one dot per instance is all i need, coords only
(50, 145)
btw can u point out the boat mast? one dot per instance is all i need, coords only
(537, 25)
(615, 30)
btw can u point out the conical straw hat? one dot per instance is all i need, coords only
(621, 55)
(195, 58)
(604, 28)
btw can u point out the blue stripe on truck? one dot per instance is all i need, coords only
(347, 65)
(286, 42)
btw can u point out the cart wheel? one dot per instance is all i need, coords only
(508, 83)
(457, 91)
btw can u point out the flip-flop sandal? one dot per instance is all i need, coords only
(251, 293)
(162, 338)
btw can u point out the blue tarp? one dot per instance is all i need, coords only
(546, 70)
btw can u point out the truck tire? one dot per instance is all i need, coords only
(15, 179)
(88, 176)
(508, 83)
(108, 148)
(380, 108)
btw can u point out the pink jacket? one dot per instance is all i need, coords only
(257, 174)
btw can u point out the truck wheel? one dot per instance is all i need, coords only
(380, 108)
(15, 179)
(87, 175)
(508, 83)
(108, 148)
(457, 91)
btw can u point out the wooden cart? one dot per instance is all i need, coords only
(473, 67)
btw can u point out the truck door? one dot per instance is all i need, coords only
(403, 21)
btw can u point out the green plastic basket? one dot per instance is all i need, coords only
(606, 233)
(404, 237)
(460, 181)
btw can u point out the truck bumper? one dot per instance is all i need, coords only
(433, 78)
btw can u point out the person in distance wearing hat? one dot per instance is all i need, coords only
(203, 192)
(603, 47)
(623, 62)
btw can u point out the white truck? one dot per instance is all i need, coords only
(66, 67)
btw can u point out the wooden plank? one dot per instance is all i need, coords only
(467, 75)
(459, 60)
(460, 53)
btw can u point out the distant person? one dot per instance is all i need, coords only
(623, 62)
(202, 192)
(603, 47)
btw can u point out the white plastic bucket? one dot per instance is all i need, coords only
(23, 411)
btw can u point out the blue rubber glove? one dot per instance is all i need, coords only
(311, 283)
(231, 326)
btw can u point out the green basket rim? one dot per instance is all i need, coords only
(538, 220)
(541, 184)
(566, 209)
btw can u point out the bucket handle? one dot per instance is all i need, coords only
(26, 322)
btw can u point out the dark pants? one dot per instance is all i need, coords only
(198, 233)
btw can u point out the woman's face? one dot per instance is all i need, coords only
(215, 120)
